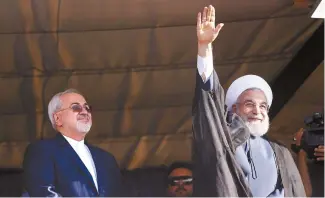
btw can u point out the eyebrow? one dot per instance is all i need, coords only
(79, 103)
(265, 103)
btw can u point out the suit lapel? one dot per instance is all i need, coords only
(73, 157)
(99, 168)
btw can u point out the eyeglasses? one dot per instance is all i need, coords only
(185, 180)
(250, 105)
(76, 107)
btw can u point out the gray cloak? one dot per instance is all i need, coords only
(216, 171)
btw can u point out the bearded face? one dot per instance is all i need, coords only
(257, 127)
(252, 107)
(74, 118)
(83, 127)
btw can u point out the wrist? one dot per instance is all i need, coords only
(302, 153)
(204, 49)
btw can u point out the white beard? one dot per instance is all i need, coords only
(258, 129)
(83, 127)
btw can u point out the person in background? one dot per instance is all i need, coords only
(180, 181)
(312, 172)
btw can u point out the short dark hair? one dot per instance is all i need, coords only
(176, 165)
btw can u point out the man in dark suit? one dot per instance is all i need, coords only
(66, 165)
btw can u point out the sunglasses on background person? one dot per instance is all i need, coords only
(185, 180)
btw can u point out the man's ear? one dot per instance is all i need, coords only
(234, 108)
(57, 119)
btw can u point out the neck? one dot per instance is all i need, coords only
(73, 135)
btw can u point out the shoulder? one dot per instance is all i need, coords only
(276, 143)
(280, 145)
(279, 148)
(40, 146)
(39, 152)
(282, 151)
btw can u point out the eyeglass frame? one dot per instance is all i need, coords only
(89, 110)
(174, 181)
(254, 105)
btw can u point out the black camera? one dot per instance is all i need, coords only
(313, 135)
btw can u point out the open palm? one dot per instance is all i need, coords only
(206, 30)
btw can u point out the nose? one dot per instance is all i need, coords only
(84, 111)
(180, 183)
(256, 110)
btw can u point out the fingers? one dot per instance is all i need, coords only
(198, 21)
(218, 28)
(319, 154)
(213, 15)
(204, 15)
(209, 13)
(319, 149)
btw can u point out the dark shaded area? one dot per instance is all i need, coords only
(297, 71)
(140, 182)
(316, 174)
(145, 182)
(11, 182)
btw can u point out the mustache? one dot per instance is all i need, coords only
(246, 118)
(83, 116)
(258, 118)
(180, 188)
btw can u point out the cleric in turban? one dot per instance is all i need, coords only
(233, 157)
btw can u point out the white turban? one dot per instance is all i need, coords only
(247, 82)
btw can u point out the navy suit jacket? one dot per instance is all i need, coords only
(52, 167)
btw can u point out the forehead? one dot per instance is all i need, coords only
(255, 95)
(181, 172)
(70, 98)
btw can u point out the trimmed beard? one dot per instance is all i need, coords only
(257, 129)
(83, 127)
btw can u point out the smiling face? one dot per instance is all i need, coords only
(73, 119)
(252, 107)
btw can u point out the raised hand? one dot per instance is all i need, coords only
(206, 30)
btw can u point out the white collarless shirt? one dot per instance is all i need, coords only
(84, 154)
